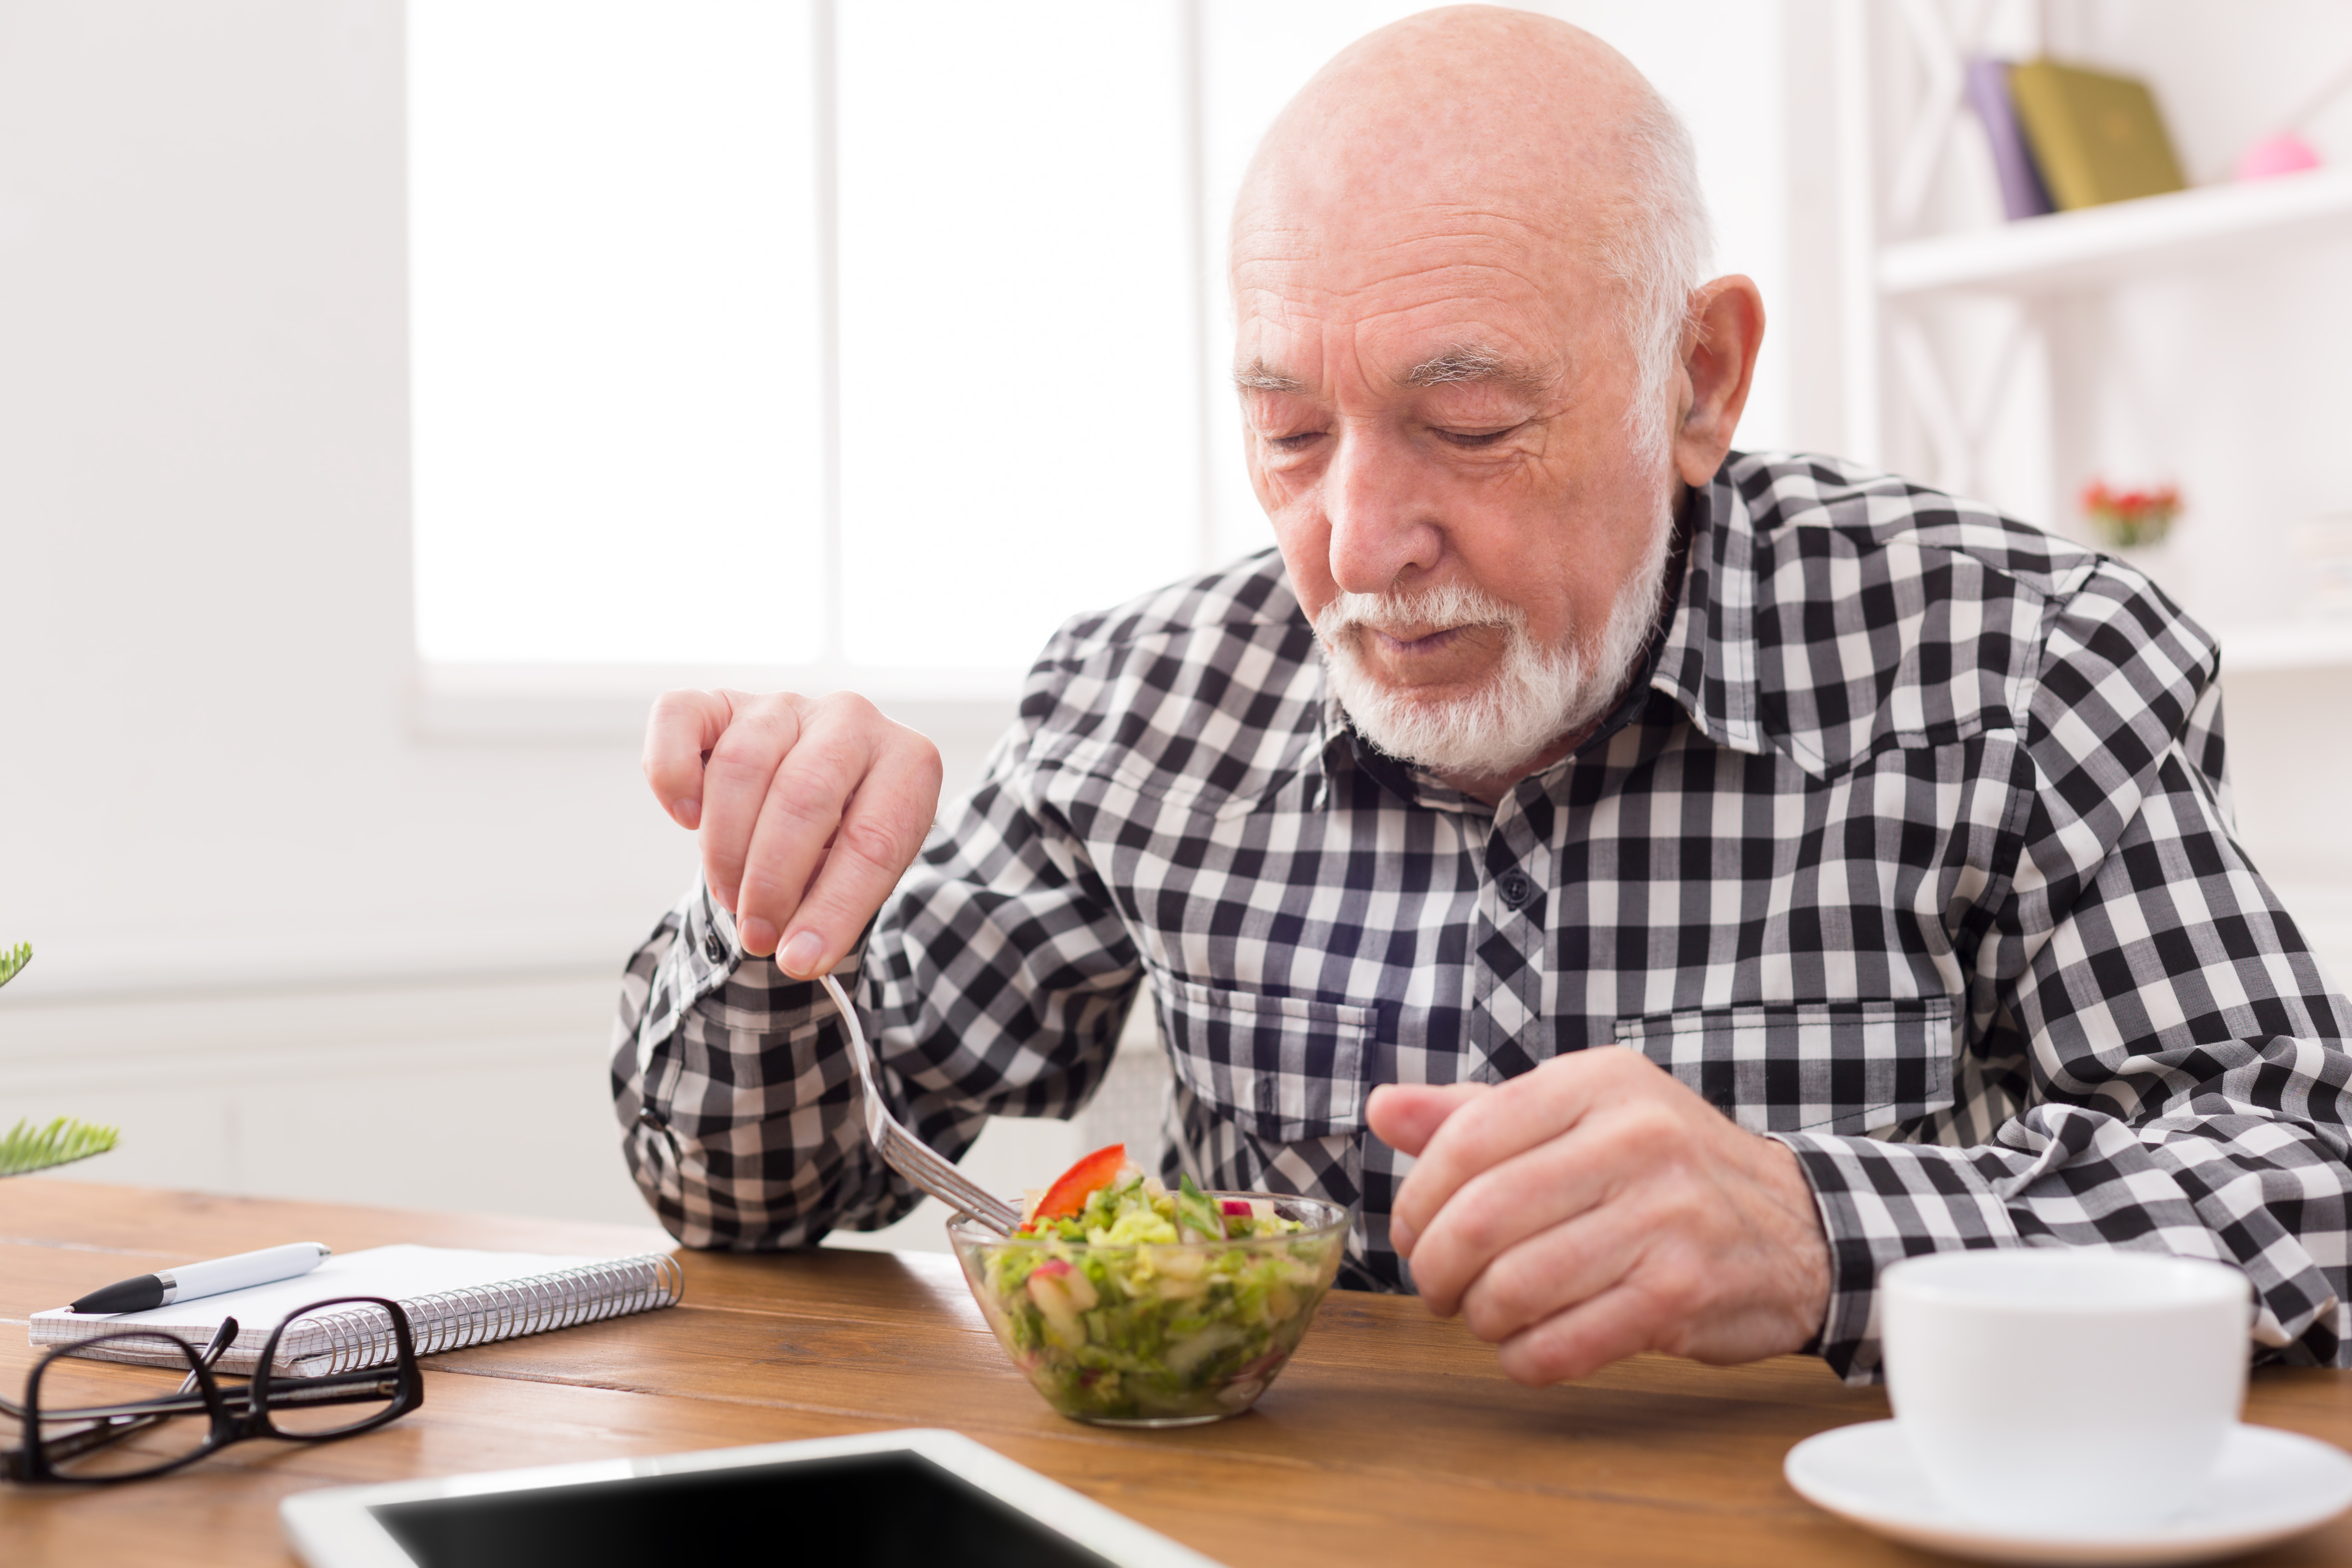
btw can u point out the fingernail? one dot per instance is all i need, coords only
(1401, 1237)
(689, 813)
(757, 935)
(801, 955)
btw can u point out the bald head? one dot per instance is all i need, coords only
(1529, 132)
(1470, 104)
(1479, 365)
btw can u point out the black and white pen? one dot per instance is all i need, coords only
(192, 1279)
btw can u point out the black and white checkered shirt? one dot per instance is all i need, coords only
(1916, 854)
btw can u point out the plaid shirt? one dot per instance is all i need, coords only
(1914, 853)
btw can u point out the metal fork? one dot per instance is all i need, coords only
(901, 1150)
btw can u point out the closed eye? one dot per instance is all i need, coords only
(1476, 439)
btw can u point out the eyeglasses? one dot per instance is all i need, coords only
(78, 1430)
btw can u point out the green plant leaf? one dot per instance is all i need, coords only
(13, 959)
(62, 1142)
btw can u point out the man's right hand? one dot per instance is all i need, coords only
(809, 809)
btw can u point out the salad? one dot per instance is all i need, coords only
(1125, 1301)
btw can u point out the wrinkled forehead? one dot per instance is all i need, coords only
(1386, 287)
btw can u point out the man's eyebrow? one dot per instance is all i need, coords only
(1259, 376)
(1475, 363)
(1464, 362)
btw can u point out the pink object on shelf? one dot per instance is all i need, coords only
(2284, 154)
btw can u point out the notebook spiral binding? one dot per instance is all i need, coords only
(450, 1320)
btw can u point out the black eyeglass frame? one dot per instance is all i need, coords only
(236, 1413)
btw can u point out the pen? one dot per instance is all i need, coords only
(193, 1280)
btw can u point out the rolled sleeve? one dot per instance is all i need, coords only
(735, 1099)
(994, 982)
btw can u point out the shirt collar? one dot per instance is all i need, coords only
(1708, 662)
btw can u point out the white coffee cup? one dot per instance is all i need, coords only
(2061, 1389)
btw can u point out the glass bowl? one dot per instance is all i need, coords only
(1154, 1334)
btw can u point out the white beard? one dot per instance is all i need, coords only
(1536, 696)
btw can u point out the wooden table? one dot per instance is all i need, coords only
(1391, 1437)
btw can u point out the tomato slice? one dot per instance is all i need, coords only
(1070, 1191)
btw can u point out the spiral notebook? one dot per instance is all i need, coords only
(452, 1297)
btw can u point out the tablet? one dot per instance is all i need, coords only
(880, 1501)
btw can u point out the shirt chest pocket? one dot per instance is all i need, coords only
(1833, 1066)
(1286, 1067)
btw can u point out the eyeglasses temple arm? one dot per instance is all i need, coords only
(223, 1337)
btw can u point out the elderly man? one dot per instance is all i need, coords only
(1887, 834)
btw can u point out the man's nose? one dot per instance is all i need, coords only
(1381, 514)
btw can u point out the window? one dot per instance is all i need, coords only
(1020, 381)
(630, 336)
(862, 344)
(617, 388)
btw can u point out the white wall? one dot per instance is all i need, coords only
(212, 793)
(292, 940)
(203, 484)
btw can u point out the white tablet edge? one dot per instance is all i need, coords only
(334, 1528)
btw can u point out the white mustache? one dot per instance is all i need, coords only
(1448, 607)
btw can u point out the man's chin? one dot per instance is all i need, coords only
(1447, 730)
(1423, 698)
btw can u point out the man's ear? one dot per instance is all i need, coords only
(1719, 361)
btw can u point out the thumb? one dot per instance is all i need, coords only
(1405, 1116)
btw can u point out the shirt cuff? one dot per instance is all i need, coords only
(713, 953)
(1881, 1203)
(710, 950)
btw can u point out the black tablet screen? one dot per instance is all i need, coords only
(860, 1510)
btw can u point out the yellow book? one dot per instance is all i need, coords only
(2098, 137)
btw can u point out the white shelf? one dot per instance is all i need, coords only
(2134, 238)
(2286, 646)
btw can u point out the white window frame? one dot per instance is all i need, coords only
(560, 701)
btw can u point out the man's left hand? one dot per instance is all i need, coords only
(1597, 1207)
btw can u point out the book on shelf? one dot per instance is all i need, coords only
(2022, 194)
(2096, 138)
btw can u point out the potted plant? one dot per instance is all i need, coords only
(2130, 519)
(29, 1148)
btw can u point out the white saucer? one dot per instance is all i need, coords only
(2270, 1485)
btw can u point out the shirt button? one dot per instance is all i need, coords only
(648, 1117)
(1516, 888)
(713, 947)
